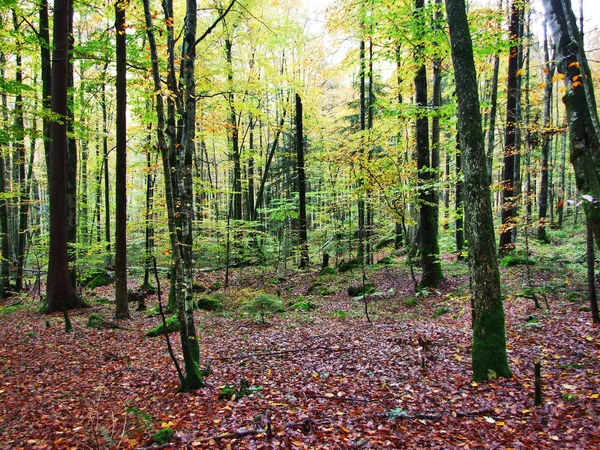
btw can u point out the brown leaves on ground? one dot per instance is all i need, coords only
(320, 379)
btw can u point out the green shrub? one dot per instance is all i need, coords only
(172, 327)
(263, 305)
(514, 260)
(328, 271)
(215, 286)
(208, 304)
(164, 436)
(440, 311)
(410, 302)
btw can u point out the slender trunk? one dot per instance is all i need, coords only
(303, 235)
(4, 263)
(546, 143)
(458, 204)
(71, 159)
(107, 233)
(508, 181)
(432, 272)
(361, 201)
(121, 300)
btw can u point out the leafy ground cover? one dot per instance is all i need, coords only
(322, 378)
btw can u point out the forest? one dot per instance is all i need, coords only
(277, 224)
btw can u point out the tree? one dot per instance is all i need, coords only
(429, 247)
(580, 102)
(121, 300)
(488, 349)
(301, 186)
(60, 295)
(510, 134)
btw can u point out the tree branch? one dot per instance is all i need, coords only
(215, 23)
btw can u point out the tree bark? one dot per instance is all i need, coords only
(71, 159)
(508, 175)
(4, 263)
(302, 232)
(488, 350)
(121, 300)
(60, 295)
(430, 252)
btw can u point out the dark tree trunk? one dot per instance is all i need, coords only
(508, 175)
(361, 201)
(459, 235)
(582, 118)
(4, 263)
(435, 120)
(302, 224)
(71, 160)
(60, 295)
(591, 276)
(493, 112)
(542, 236)
(149, 216)
(488, 350)
(105, 164)
(432, 272)
(234, 137)
(121, 300)
(46, 71)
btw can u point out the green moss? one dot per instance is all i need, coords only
(355, 291)
(278, 279)
(328, 271)
(97, 277)
(263, 305)
(349, 265)
(215, 286)
(488, 351)
(172, 327)
(440, 311)
(513, 260)
(96, 320)
(385, 242)
(208, 304)
(410, 302)
(386, 260)
(305, 305)
(5, 310)
(198, 288)
(164, 436)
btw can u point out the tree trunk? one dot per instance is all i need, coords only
(508, 175)
(121, 300)
(542, 236)
(46, 71)
(488, 350)
(60, 295)
(580, 103)
(493, 112)
(432, 272)
(303, 235)
(4, 263)
(107, 234)
(459, 235)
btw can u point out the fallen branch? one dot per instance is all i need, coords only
(335, 397)
(279, 352)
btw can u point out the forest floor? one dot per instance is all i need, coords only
(319, 379)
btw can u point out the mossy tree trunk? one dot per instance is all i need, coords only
(489, 342)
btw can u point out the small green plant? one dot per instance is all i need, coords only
(492, 375)
(215, 286)
(30, 334)
(440, 311)
(164, 436)
(263, 305)
(4, 310)
(386, 260)
(144, 422)
(229, 392)
(410, 302)
(397, 413)
(340, 314)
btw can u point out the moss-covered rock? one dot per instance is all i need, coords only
(314, 288)
(361, 289)
(198, 288)
(385, 242)
(326, 291)
(215, 286)
(172, 327)
(328, 271)
(513, 260)
(386, 260)
(208, 304)
(304, 305)
(263, 305)
(94, 278)
(346, 266)
(96, 320)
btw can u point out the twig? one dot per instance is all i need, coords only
(343, 399)
(164, 321)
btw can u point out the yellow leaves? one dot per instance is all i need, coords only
(329, 395)
(574, 64)
(595, 396)
(169, 22)
(576, 84)
(168, 424)
(558, 76)
(520, 72)
(541, 85)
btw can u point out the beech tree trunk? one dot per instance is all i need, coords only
(60, 295)
(488, 349)
(432, 272)
(508, 174)
(4, 263)
(302, 232)
(121, 300)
